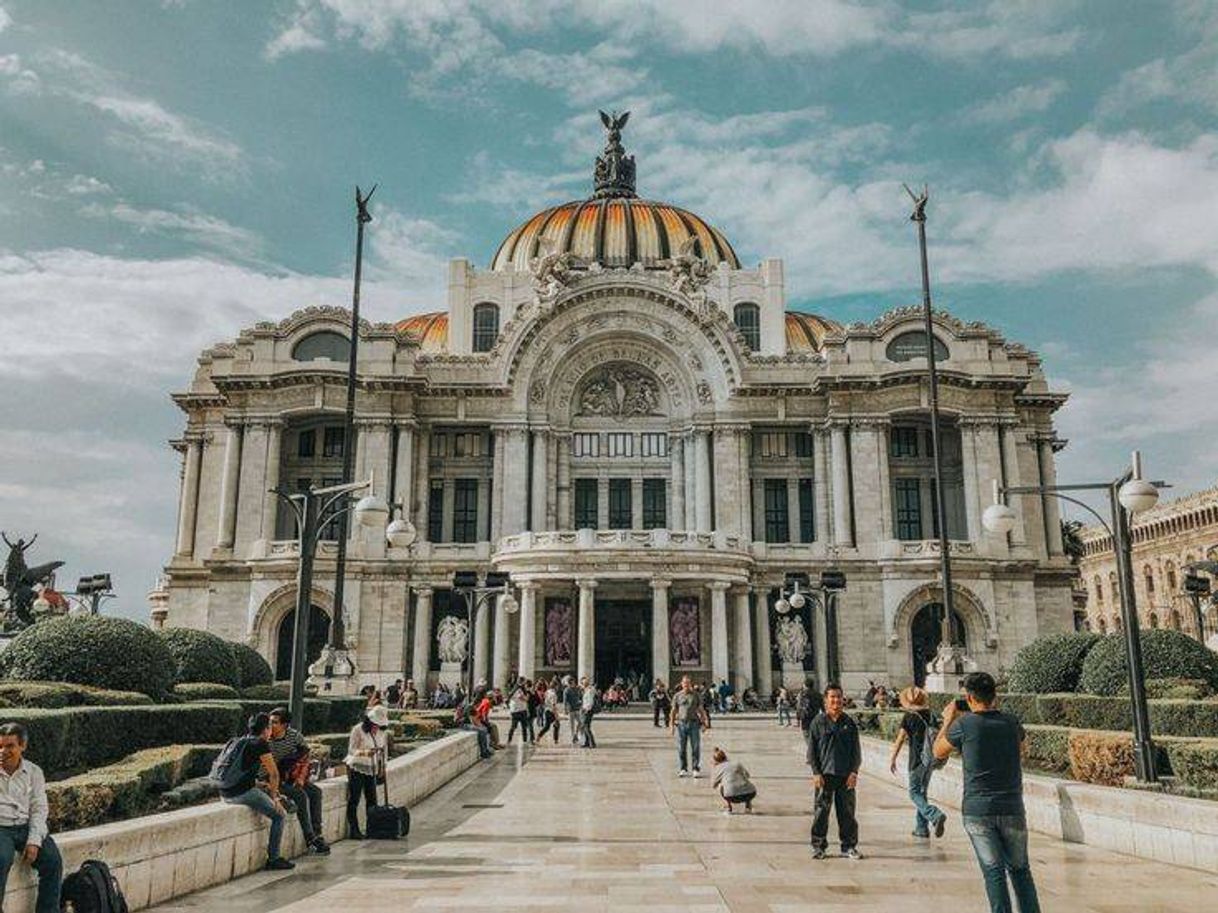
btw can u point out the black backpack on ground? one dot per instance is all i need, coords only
(387, 822)
(92, 889)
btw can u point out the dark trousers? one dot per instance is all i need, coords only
(359, 785)
(307, 799)
(48, 865)
(521, 718)
(834, 796)
(659, 713)
(551, 722)
(586, 727)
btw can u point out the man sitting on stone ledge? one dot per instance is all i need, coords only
(23, 819)
(291, 755)
(252, 755)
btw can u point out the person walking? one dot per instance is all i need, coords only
(572, 699)
(549, 711)
(589, 707)
(990, 743)
(807, 706)
(732, 781)
(687, 718)
(364, 747)
(24, 808)
(660, 703)
(918, 730)
(783, 704)
(518, 708)
(835, 755)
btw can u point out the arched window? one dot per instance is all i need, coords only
(747, 317)
(1171, 577)
(486, 326)
(912, 345)
(1175, 620)
(1150, 580)
(1099, 590)
(325, 344)
(1154, 620)
(1103, 626)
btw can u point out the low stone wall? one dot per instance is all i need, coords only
(159, 857)
(1150, 825)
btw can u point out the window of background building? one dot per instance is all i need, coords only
(777, 519)
(904, 442)
(1150, 581)
(803, 444)
(621, 515)
(329, 531)
(586, 445)
(467, 444)
(586, 503)
(325, 344)
(435, 510)
(907, 508)
(912, 345)
(486, 326)
(306, 443)
(747, 317)
(655, 511)
(772, 445)
(465, 510)
(621, 444)
(654, 444)
(332, 442)
(439, 444)
(807, 525)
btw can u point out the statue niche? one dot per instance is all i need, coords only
(619, 390)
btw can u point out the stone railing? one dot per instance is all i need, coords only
(581, 539)
(159, 857)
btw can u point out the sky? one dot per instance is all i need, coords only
(173, 172)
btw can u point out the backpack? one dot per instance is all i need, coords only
(93, 889)
(226, 772)
(598, 703)
(927, 762)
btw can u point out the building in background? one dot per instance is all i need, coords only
(627, 419)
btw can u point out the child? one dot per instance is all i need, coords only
(732, 780)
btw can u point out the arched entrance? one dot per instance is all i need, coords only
(925, 635)
(319, 632)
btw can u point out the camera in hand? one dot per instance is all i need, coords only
(962, 705)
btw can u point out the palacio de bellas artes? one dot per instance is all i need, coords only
(627, 419)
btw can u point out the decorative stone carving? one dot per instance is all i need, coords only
(620, 391)
(684, 632)
(792, 640)
(552, 273)
(537, 392)
(688, 275)
(452, 635)
(559, 632)
(705, 395)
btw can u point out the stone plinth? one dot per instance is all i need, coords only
(450, 674)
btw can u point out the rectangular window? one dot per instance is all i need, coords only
(654, 444)
(439, 444)
(907, 508)
(772, 445)
(807, 525)
(465, 510)
(586, 445)
(803, 444)
(306, 444)
(904, 442)
(332, 442)
(329, 532)
(655, 511)
(461, 445)
(621, 444)
(620, 514)
(586, 506)
(776, 516)
(435, 510)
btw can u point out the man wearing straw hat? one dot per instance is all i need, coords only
(919, 728)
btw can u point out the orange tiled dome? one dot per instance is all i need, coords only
(806, 332)
(431, 330)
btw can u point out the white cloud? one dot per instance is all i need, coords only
(1018, 103)
(191, 225)
(5, 19)
(17, 78)
(86, 185)
(299, 35)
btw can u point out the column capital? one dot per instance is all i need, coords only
(528, 586)
(586, 583)
(405, 424)
(514, 427)
(661, 583)
(719, 586)
(423, 589)
(375, 421)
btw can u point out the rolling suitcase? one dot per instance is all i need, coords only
(387, 822)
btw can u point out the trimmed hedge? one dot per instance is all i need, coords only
(1105, 758)
(1165, 654)
(1194, 763)
(200, 656)
(1047, 748)
(51, 695)
(1051, 664)
(267, 692)
(252, 670)
(204, 691)
(345, 712)
(1190, 689)
(95, 650)
(1185, 718)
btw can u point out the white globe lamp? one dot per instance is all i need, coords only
(1137, 494)
(782, 606)
(999, 518)
(508, 603)
(372, 511)
(400, 533)
(797, 601)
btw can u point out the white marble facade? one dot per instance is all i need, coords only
(646, 469)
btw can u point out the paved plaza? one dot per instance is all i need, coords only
(615, 829)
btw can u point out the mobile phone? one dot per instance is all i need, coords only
(961, 705)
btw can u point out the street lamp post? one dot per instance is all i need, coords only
(832, 582)
(1127, 495)
(474, 596)
(1196, 588)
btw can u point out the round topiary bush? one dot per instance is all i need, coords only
(201, 657)
(252, 669)
(93, 650)
(1051, 664)
(205, 691)
(1165, 654)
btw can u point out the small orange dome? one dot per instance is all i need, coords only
(430, 330)
(806, 332)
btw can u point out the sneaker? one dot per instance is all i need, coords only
(852, 853)
(940, 825)
(818, 852)
(319, 847)
(921, 835)
(279, 865)
(726, 811)
(697, 772)
(682, 772)
(748, 808)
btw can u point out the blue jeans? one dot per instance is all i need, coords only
(925, 814)
(689, 742)
(1001, 845)
(48, 865)
(262, 803)
(784, 715)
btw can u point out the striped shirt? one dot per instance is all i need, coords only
(290, 747)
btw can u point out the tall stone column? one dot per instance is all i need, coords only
(503, 645)
(270, 500)
(499, 436)
(228, 487)
(820, 484)
(422, 481)
(661, 654)
(702, 488)
(191, 462)
(482, 641)
(719, 660)
(251, 488)
(515, 481)
(586, 657)
(744, 441)
(563, 518)
(403, 471)
(887, 528)
(1010, 477)
(730, 497)
(676, 497)
(761, 629)
(972, 486)
(422, 637)
(792, 509)
(541, 482)
(842, 507)
(1051, 506)
(743, 673)
(691, 487)
(526, 663)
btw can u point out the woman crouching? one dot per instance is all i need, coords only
(732, 780)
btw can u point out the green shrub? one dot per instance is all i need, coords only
(1193, 689)
(868, 720)
(316, 712)
(204, 691)
(1047, 748)
(418, 728)
(1024, 706)
(74, 739)
(890, 723)
(92, 650)
(50, 695)
(269, 692)
(1194, 763)
(1184, 718)
(1085, 711)
(345, 712)
(252, 670)
(201, 657)
(1165, 654)
(1051, 664)
(330, 747)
